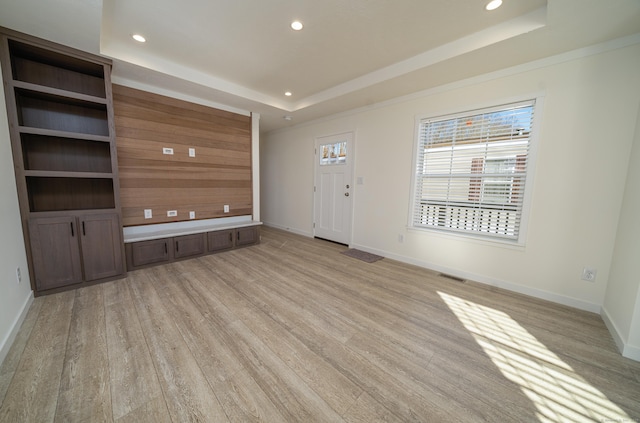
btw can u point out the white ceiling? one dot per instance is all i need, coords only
(351, 53)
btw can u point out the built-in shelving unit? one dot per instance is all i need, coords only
(60, 110)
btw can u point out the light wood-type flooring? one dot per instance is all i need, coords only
(292, 331)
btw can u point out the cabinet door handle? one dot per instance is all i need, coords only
(71, 228)
(83, 231)
(177, 245)
(230, 236)
(165, 248)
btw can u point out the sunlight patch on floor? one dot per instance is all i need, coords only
(558, 393)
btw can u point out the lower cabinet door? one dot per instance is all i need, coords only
(101, 242)
(189, 245)
(247, 236)
(220, 240)
(149, 252)
(55, 251)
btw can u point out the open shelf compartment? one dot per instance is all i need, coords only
(57, 194)
(46, 111)
(50, 153)
(51, 69)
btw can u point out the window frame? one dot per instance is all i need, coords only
(537, 102)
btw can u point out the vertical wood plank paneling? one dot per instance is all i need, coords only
(219, 174)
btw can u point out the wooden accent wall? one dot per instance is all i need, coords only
(219, 174)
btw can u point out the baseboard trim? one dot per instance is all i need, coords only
(520, 289)
(287, 229)
(17, 323)
(628, 351)
(613, 329)
(631, 352)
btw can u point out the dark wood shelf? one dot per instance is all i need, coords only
(76, 212)
(63, 134)
(58, 93)
(66, 174)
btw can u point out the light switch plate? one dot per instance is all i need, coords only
(147, 214)
(226, 208)
(192, 215)
(167, 150)
(172, 213)
(192, 152)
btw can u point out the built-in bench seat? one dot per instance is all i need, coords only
(162, 243)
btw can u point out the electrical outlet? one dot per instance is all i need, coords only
(226, 208)
(167, 150)
(192, 215)
(147, 214)
(18, 274)
(589, 274)
(400, 238)
(172, 213)
(192, 152)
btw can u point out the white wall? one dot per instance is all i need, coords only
(586, 134)
(14, 298)
(622, 302)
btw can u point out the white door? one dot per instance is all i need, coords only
(333, 188)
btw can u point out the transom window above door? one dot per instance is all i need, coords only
(334, 153)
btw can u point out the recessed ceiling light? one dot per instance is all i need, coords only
(296, 25)
(139, 38)
(288, 94)
(493, 4)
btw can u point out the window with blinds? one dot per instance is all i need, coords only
(471, 170)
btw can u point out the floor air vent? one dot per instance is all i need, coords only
(453, 278)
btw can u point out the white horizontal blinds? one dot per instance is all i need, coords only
(471, 171)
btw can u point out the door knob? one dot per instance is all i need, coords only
(347, 186)
(346, 194)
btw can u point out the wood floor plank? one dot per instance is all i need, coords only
(202, 320)
(186, 391)
(269, 370)
(291, 330)
(85, 402)
(320, 310)
(84, 386)
(244, 401)
(11, 361)
(368, 410)
(34, 389)
(337, 390)
(480, 405)
(153, 411)
(133, 379)
(295, 399)
(196, 321)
